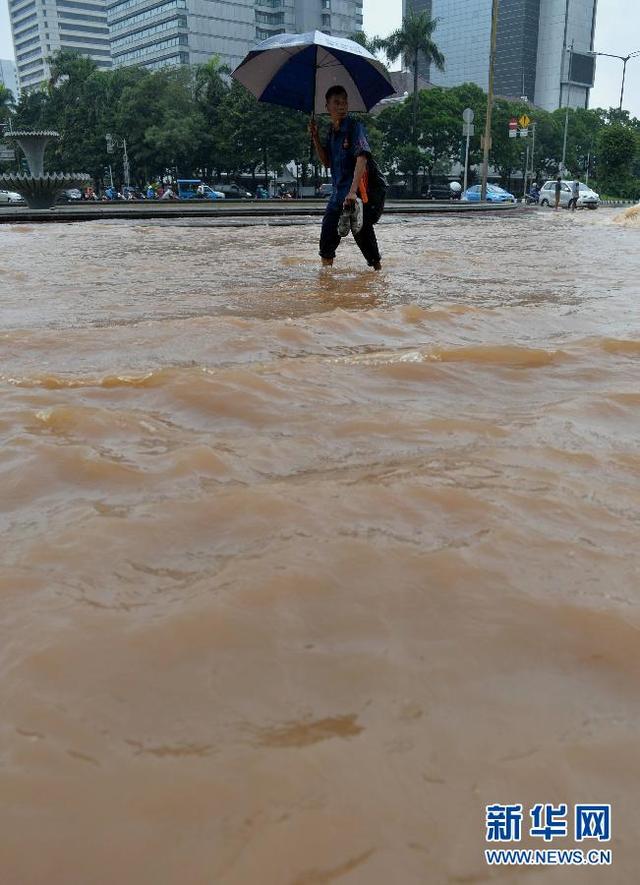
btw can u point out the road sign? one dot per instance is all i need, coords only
(513, 127)
(524, 133)
(468, 115)
(524, 121)
(468, 129)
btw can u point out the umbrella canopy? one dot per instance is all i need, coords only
(295, 71)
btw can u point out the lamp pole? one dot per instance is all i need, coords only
(625, 59)
(566, 116)
(533, 149)
(487, 128)
(120, 142)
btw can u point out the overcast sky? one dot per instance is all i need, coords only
(618, 31)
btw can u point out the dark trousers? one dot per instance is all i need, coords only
(330, 240)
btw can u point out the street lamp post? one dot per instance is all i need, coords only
(566, 116)
(625, 59)
(487, 129)
(119, 142)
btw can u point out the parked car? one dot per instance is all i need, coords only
(71, 195)
(10, 197)
(588, 198)
(325, 190)
(495, 194)
(450, 191)
(196, 189)
(210, 194)
(234, 191)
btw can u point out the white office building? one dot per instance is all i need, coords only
(565, 67)
(43, 27)
(157, 33)
(9, 76)
(544, 47)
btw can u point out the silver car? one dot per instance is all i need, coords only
(587, 198)
(10, 197)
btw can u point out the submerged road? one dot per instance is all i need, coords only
(303, 568)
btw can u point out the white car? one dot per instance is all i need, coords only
(10, 197)
(588, 198)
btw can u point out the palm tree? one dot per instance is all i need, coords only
(370, 44)
(411, 41)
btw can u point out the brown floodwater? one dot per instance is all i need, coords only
(302, 569)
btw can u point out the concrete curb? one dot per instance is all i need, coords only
(102, 211)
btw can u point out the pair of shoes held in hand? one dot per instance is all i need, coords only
(351, 219)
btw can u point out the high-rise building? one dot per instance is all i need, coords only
(544, 48)
(157, 33)
(9, 76)
(43, 27)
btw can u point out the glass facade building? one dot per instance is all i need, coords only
(173, 32)
(517, 48)
(534, 43)
(149, 34)
(157, 33)
(9, 76)
(463, 35)
(42, 27)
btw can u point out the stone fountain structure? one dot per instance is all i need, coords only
(39, 190)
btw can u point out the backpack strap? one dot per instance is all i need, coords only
(351, 132)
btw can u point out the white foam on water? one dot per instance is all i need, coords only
(630, 217)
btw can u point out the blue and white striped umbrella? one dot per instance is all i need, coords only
(295, 71)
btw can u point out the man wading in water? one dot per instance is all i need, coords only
(346, 152)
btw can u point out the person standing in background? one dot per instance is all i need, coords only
(575, 193)
(558, 191)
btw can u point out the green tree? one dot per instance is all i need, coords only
(6, 103)
(166, 129)
(31, 110)
(210, 91)
(372, 45)
(548, 145)
(259, 135)
(507, 154)
(469, 95)
(617, 149)
(438, 126)
(582, 135)
(6, 110)
(414, 40)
